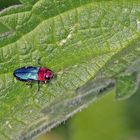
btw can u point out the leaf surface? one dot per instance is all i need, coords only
(80, 41)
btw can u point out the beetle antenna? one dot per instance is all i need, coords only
(29, 83)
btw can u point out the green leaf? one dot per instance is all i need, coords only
(80, 41)
(3, 28)
(127, 83)
(126, 86)
(7, 3)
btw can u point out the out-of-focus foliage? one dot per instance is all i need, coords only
(107, 119)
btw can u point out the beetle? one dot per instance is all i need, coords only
(30, 74)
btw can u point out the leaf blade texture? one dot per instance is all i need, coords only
(80, 41)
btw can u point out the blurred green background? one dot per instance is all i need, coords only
(107, 119)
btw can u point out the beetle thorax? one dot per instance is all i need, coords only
(45, 74)
(41, 74)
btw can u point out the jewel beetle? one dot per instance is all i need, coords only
(31, 73)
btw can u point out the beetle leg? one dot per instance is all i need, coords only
(29, 83)
(38, 86)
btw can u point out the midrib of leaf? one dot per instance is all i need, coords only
(15, 9)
